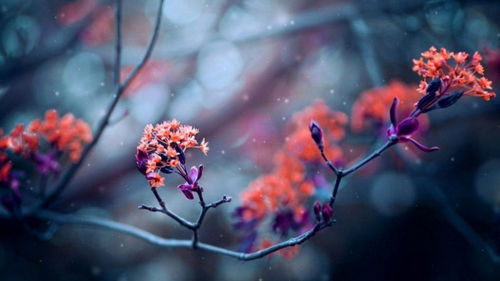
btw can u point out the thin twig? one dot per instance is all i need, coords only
(370, 157)
(118, 41)
(175, 243)
(169, 213)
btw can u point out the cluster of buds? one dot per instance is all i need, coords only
(162, 150)
(322, 213)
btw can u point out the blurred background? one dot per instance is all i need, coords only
(238, 70)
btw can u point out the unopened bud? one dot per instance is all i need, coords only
(327, 212)
(316, 133)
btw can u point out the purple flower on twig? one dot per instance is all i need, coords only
(191, 184)
(404, 130)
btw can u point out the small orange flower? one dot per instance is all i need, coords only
(463, 74)
(161, 147)
(155, 180)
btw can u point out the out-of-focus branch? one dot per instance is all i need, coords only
(362, 33)
(175, 243)
(119, 90)
(118, 42)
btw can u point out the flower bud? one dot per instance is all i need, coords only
(327, 212)
(433, 86)
(316, 133)
(450, 100)
(407, 127)
(426, 100)
(317, 210)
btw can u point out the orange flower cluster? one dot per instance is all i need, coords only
(285, 187)
(299, 142)
(373, 105)
(288, 186)
(67, 134)
(160, 147)
(464, 74)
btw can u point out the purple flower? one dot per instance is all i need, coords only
(243, 224)
(404, 130)
(46, 163)
(191, 182)
(141, 160)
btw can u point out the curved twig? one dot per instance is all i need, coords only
(119, 90)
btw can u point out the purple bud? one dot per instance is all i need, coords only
(433, 86)
(200, 172)
(141, 160)
(426, 100)
(327, 212)
(316, 133)
(450, 100)
(181, 156)
(317, 210)
(392, 112)
(186, 189)
(407, 127)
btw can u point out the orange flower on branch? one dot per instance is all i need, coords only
(283, 193)
(465, 73)
(67, 134)
(161, 149)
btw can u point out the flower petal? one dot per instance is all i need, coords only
(188, 194)
(185, 187)
(193, 174)
(419, 145)
(200, 173)
(407, 127)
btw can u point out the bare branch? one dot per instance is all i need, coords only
(104, 121)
